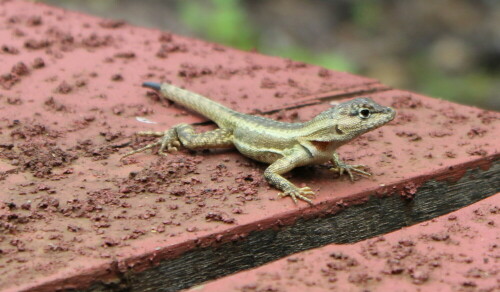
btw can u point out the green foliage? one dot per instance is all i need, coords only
(223, 21)
(367, 14)
(328, 60)
(472, 87)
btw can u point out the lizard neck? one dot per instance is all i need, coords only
(321, 129)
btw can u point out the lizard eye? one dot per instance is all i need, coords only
(364, 113)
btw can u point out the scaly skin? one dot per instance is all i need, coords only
(282, 145)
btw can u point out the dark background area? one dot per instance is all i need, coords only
(445, 48)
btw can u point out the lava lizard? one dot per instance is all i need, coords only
(282, 145)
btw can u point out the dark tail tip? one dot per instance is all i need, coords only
(152, 85)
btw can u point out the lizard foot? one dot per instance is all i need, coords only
(342, 167)
(168, 140)
(297, 193)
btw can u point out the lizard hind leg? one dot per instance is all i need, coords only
(167, 140)
(219, 138)
(184, 135)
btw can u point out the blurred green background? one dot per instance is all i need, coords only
(445, 48)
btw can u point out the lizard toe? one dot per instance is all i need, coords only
(350, 170)
(302, 194)
(171, 149)
(149, 146)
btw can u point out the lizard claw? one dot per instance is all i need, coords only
(167, 141)
(341, 168)
(149, 146)
(301, 194)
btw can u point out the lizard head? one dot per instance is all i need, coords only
(350, 119)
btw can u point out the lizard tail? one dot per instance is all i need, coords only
(221, 115)
(152, 85)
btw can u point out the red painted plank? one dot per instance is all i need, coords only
(455, 252)
(79, 215)
(91, 64)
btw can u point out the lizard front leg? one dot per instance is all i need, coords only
(341, 166)
(297, 157)
(184, 135)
